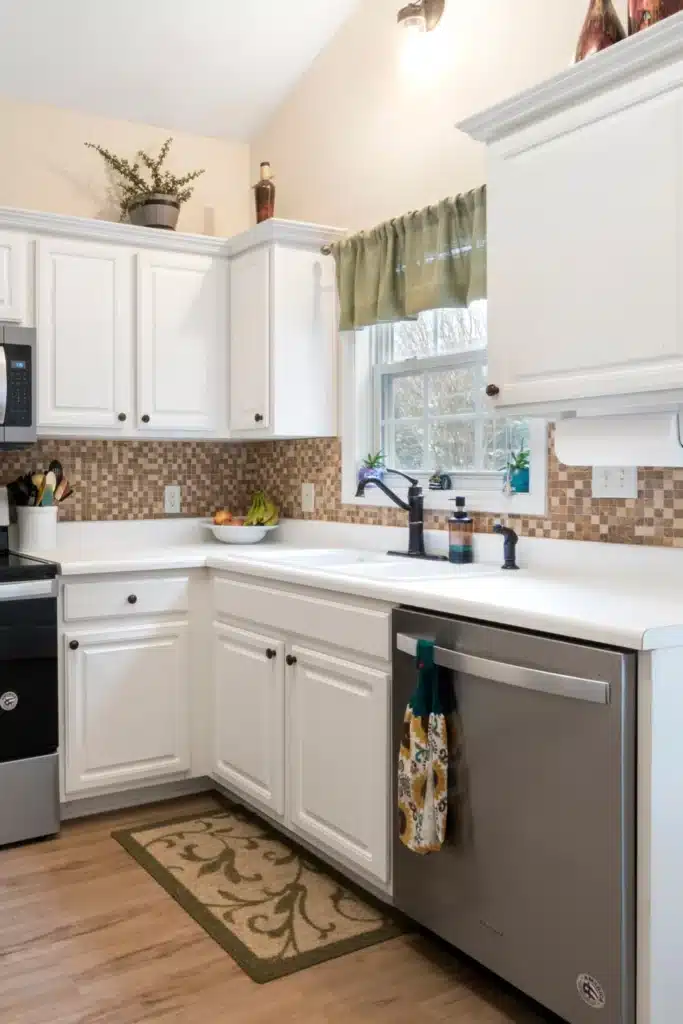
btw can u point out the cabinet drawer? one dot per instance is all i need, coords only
(125, 598)
(355, 627)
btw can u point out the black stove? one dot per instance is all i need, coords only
(14, 568)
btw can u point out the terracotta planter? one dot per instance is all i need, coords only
(155, 211)
(602, 28)
(644, 13)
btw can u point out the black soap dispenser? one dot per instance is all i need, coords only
(460, 535)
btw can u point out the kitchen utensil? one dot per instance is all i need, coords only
(61, 489)
(58, 470)
(47, 497)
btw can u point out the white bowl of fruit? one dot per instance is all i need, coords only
(262, 519)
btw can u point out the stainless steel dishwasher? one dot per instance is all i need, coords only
(537, 877)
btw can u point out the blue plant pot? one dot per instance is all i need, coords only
(368, 473)
(519, 481)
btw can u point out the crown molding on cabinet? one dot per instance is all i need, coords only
(657, 49)
(59, 225)
(285, 232)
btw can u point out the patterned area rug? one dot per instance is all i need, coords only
(271, 905)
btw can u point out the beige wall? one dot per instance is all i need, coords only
(369, 133)
(45, 166)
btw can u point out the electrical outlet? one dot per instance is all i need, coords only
(308, 497)
(172, 500)
(615, 482)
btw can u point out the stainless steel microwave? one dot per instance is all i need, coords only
(17, 386)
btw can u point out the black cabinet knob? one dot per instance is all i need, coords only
(492, 390)
(74, 645)
(290, 659)
(270, 654)
(258, 417)
(122, 417)
(145, 418)
(132, 599)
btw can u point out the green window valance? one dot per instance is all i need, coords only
(432, 259)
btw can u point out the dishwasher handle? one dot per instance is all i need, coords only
(595, 691)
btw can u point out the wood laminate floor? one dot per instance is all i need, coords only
(87, 937)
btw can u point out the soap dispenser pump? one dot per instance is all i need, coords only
(460, 535)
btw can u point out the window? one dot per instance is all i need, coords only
(430, 381)
(416, 391)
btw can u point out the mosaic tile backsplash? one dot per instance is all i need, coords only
(126, 479)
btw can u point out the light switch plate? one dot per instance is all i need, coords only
(308, 497)
(615, 482)
(172, 500)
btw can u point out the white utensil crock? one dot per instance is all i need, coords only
(37, 528)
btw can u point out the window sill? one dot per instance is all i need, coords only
(440, 501)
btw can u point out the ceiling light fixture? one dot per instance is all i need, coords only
(423, 15)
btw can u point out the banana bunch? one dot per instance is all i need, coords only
(262, 512)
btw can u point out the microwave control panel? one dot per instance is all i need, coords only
(19, 374)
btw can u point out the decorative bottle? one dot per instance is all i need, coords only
(643, 13)
(601, 29)
(460, 535)
(265, 194)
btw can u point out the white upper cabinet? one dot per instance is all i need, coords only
(181, 335)
(283, 332)
(250, 341)
(13, 277)
(84, 316)
(585, 232)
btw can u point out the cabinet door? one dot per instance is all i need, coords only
(250, 301)
(13, 276)
(249, 725)
(304, 343)
(338, 758)
(181, 327)
(585, 260)
(127, 705)
(85, 335)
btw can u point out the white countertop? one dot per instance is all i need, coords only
(606, 594)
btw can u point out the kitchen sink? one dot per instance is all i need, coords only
(313, 558)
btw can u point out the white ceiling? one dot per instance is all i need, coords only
(212, 67)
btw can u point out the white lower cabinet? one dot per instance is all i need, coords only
(337, 758)
(249, 710)
(305, 735)
(127, 706)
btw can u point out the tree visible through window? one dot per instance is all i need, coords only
(430, 408)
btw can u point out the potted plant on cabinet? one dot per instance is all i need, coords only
(372, 468)
(518, 471)
(155, 203)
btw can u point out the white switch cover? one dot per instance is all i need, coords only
(615, 482)
(308, 497)
(172, 500)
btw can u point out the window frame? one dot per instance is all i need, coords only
(360, 403)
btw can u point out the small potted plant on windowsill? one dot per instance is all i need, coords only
(372, 468)
(154, 204)
(518, 471)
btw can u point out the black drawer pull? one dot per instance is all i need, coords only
(270, 654)
(145, 418)
(74, 645)
(290, 659)
(122, 417)
(493, 391)
(132, 599)
(258, 417)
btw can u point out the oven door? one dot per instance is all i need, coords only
(28, 670)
